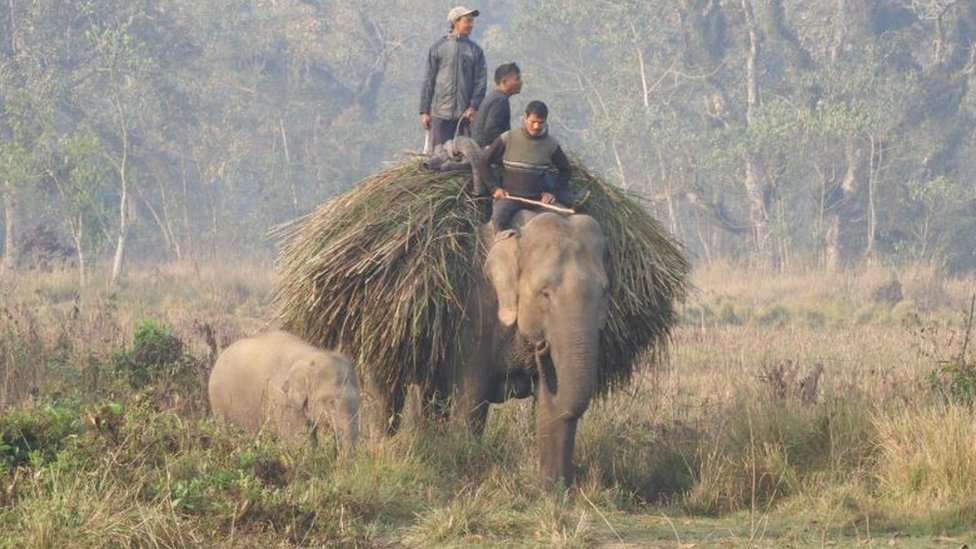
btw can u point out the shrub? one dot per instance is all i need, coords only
(157, 357)
(35, 436)
(955, 381)
(727, 315)
(774, 315)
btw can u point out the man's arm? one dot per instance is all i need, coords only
(565, 169)
(491, 155)
(498, 118)
(427, 88)
(480, 84)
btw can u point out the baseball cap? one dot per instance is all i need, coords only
(458, 12)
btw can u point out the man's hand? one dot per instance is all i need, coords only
(469, 113)
(425, 120)
(499, 193)
(548, 198)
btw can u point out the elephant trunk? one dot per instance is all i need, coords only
(338, 415)
(574, 367)
(566, 385)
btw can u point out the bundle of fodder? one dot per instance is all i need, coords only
(382, 272)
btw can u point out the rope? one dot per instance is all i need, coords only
(467, 127)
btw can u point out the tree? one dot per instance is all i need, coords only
(77, 169)
(21, 128)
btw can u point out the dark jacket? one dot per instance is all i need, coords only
(494, 118)
(456, 78)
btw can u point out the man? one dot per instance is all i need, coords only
(495, 116)
(456, 79)
(526, 155)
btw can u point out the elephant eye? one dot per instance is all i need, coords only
(544, 293)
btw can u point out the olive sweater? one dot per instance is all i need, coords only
(526, 160)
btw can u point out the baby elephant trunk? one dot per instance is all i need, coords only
(337, 412)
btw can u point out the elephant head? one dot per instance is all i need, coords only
(550, 281)
(321, 393)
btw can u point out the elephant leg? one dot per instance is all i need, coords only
(471, 403)
(389, 400)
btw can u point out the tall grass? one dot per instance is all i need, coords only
(91, 459)
(926, 466)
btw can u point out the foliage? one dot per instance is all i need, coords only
(35, 438)
(155, 355)
(956, 381)
(222, 136)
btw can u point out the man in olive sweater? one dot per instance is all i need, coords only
(495, 116)
(526, 155)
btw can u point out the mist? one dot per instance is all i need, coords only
(780, 134)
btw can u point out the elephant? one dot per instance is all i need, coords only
(276, 379)
(532, 328)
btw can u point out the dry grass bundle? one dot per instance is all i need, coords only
(381, 272)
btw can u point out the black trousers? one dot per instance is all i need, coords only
(442, 130)
(503, 210)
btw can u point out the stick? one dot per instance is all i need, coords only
(560, 209)
(969, 331)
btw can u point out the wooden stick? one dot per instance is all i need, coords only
(560, 209)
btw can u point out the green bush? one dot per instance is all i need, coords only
(774, 315)
(955, 381)
(813, 319)
(727, 315)
(36, 436)
(155, 355)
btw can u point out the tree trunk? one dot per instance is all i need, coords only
(838, 206)
(77, 235)
(123, 168)
(873, 169)
(164, 221)
(9, 216)
(120, 244)
(755, 178)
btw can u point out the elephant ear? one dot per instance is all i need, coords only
(501, 267)
(296, 386)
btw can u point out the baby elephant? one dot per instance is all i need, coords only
(279, 380)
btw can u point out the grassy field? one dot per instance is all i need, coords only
(798, 410)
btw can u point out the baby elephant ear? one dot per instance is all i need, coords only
(295, 386)
(502, 269)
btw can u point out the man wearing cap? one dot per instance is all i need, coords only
(456, 79)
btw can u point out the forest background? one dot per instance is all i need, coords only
(775, 133)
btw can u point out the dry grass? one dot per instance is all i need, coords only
(383, 272)
(927, 457)
(877, 451)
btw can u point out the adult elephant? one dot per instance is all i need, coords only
(532, 329)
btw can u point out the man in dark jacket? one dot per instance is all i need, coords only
(526, 154)
(495, 115)
(456, 78)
